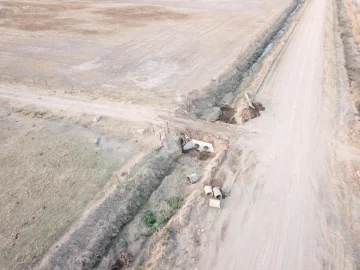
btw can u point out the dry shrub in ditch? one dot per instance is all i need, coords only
(122, 261)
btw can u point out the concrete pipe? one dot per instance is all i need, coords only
(208, 191)
(215, 203)
(192, 178)
(217, 193)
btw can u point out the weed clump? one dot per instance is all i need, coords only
(124, 243)
(149, 219)
(154, 222)
(175, 202)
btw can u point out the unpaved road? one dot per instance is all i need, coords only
(280, 218)
(133, 113)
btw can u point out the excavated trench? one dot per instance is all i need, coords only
(89, 243)
(217, 104)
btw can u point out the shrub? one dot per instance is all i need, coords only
(149, 219)
(175, 202)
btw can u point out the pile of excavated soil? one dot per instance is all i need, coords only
(227, 115)
(250, 113)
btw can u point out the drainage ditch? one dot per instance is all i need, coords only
(216, 104)
(88, 244)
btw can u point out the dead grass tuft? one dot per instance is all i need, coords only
(123, 260)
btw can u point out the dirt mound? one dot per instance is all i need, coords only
(250, 113)
(247, 114)
(227, 115)
(258, 106)
(204, 156)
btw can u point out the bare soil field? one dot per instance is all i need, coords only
(152, 53)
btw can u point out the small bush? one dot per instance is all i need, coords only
(156, 223)
(124, 243)
(161, 222)
(169, 233)
(149, 219)
(175, 202)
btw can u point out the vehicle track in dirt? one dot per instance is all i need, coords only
(283, 215)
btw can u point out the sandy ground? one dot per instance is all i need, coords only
(284, 211)
(151, 53)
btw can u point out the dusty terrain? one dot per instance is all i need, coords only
(153, 54)
(112, 193)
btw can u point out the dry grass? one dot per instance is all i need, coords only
(48, 174)
(348, 23)
(353, 12)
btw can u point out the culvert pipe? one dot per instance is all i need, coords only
(192, 178)
(217, 193)
(208, 191)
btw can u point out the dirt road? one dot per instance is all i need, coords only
(279, 218)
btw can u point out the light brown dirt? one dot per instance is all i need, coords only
(285, 211)
(128, 52)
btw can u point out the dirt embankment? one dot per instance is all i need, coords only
(347, 147)
(352, 61)
(352, 9)
(221, 91)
